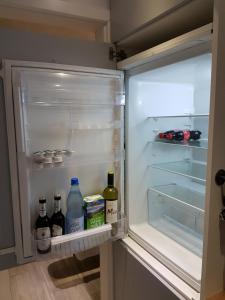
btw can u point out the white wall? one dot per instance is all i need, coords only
(97, 10)
(21, 45)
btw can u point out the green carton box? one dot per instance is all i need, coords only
(94, 211)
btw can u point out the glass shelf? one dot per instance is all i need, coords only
(182, 195)
(200, 144)
(180, 116)
(187, 168)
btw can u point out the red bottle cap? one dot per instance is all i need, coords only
(169, 136)
(187, 135)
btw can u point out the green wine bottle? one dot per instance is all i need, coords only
(110, 195)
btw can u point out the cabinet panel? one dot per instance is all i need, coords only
(138, 12)
(130, 277)
(6, 215)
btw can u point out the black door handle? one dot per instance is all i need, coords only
(220, 180)
(220, 177)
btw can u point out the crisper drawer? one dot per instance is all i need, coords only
(69, 244)
(178, 212)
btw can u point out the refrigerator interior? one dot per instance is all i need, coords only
(78, 112)
(167, 178)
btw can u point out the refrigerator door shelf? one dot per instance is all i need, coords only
(68, 244)
(61, 127)
(95, 126)
(70, 105)
(77, 160)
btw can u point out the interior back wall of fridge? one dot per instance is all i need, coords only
(22, 45)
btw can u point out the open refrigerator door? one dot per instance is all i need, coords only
(69, 122)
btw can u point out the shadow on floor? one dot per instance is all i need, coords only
(71, 271)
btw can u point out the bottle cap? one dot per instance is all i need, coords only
(57, 197)
(74, 180)
(42, 200)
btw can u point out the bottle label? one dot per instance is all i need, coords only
(43, 238)
(56, 230)
(75, 225)
(111, 211)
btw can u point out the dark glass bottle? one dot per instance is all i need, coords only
(110, 195)
(57, 219)
(43, 230)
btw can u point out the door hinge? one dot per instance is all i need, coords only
(116, 55)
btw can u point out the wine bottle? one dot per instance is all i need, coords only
(43, 231)
(110, 195)
(57, 219)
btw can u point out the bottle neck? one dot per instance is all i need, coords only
(110, 180)
(57, 206)
(75, 188)
(42, 209)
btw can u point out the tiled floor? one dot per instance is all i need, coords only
(33, 282)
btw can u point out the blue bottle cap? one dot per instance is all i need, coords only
(74, 180)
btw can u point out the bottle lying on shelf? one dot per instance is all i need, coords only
(180, 135)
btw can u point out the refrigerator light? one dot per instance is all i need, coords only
(61, 74)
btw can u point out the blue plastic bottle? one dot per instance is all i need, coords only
(75, 213)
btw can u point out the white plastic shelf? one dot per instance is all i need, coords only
(95, 126)
(79, 126)
(187, 168)
(67, 104)
(68, 244)
(79, 160)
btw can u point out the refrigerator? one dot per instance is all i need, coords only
(169, 202)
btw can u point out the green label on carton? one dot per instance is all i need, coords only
(96, 220)
(94, 211)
